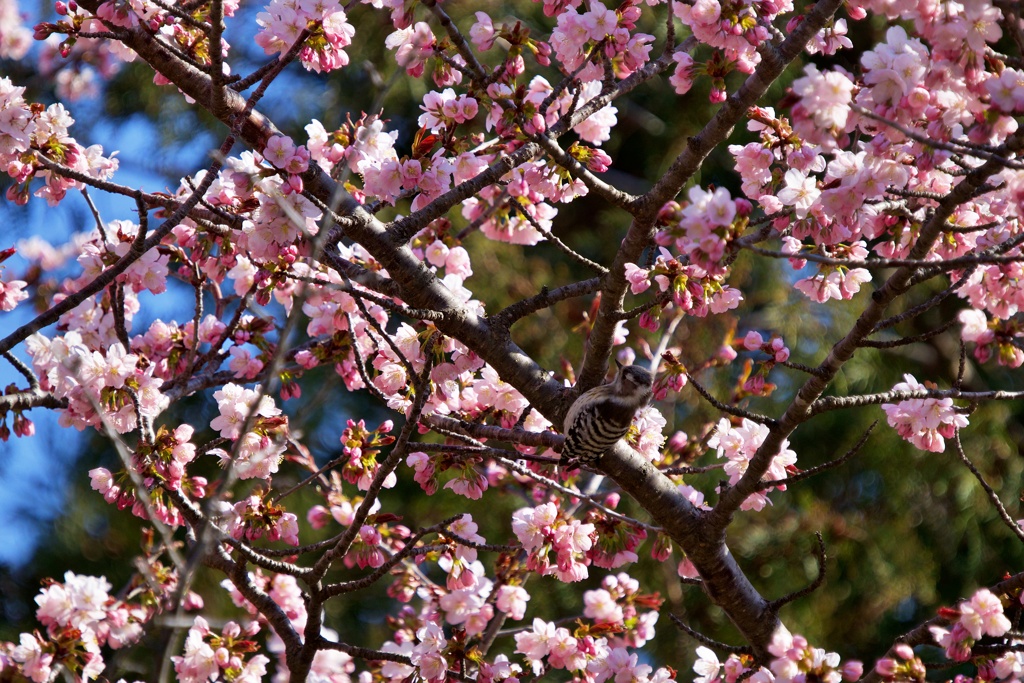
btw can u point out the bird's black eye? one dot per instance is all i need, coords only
(636, 377)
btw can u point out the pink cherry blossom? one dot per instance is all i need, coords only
(924, 422)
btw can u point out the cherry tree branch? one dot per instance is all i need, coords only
(829, 403)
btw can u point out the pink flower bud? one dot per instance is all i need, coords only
(649, 319)
(752, 341)
(25, 427)
(852, 670)
(662, 549)
(904, 651)
(318, 516)
(43, 30)
(192, 601)
(18, 196)
(542, 53)
(629, 16)
(885, 667)
(676, 382)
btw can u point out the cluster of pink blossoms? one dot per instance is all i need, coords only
(924, 422)
(210, 656)
(282, 153)
(17, 126)
(549, 647)
(704, 226)
(646, 435)
(271, 232)
(691, 288)
(483, 34)
(362, 446)
(829, 197)
(162, 466)
(542, 530)
(466, 604)
(282, 22)
(469, 481)
(130, 13)
(69, 369)
(369, 151)
(261, 449)
(577, 36)
(617, 605)
(738, 445)
(796, 661)
(937, 87)
(444, 110)
(774, 347)
(426, 654)
(80, 617)
(15, 38)
(709, 669)
(413, 46)
(595, 129)
(12, 292)
(736, 27)
(980, 616)
(994, 288)
(1007, 89)
(45, 130)
(904, 666)
(253, 518)
(831, 281)
(615, 540)
(777, 352)
(988, 336)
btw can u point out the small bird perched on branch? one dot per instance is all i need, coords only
(603, 415)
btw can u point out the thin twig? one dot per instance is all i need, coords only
(710, 642)
(731, 410)
(825, 466)
(989, 491)
(814, 585)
